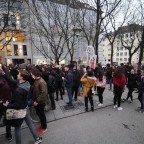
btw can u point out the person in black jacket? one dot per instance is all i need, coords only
(141, 92)
(131, 84)
(52, 88)
(76, 81)
(19, 101)
(59, 82)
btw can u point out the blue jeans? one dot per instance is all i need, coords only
(110, 82)
(69, 91)
(31, 125)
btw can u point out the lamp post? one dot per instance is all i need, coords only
(77, 32)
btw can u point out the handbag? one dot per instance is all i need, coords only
(15, 114)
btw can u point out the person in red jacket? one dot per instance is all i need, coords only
(119, 81)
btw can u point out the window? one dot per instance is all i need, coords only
(117, 48)
(5, 19)
(19, 37)
(126, 35)
(125, 59)
(121, 48)
(117, 59)
(125, 54)
(13, 20)
(109, 54)
(9, 50)
(8, 36)
(1, 46)
(121, 59)
(117, 54)
(1, 37)
(109, 49)
(24, 50)
(121, 54)
(16, 52)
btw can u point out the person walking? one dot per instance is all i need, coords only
(52, 87)
(141, 92)
(131, 84)
(18, 102)
(119, 81)
(40, 95)
(76, 82)
(89, 82)
(101, 83)
(68, 80)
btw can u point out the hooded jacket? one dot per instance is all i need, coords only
(69, 79)
(119, 81)
(88, 82)
(20, 96)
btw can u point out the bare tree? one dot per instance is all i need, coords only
(9, 9)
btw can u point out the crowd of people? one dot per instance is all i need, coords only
(24, 86)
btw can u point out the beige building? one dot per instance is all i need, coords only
(128, 36)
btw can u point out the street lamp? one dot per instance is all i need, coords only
(77, 32)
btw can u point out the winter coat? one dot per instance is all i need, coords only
(141, 85)
(40, 91)
(101, 83)
(20, 96)
(5, 93)
(88, 82)
(132, 81)
(69, 79)
(51, 84)
(119, 81)
(76, 78)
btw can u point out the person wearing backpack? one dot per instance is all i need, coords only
(52, 88)
(89, 82)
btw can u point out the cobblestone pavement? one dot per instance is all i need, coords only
(63, 111)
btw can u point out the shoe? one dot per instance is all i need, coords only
(115, 106)
(9, 138)
(61, 98)
(100, 104)
(119, 108)
(56, 99)
(38, 141)
(75, 99)
(41, 131)
(70, 104)
(92, 109)
(86, 109)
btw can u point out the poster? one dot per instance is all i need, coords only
(91, 57)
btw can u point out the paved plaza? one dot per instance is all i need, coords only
(74, 126)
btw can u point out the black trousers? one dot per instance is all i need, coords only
(117, 95)
(2, 110)
(130, 93)
(141, 99)
(100, 91)
(59, 89)
(51, 96)
(75, 90)
(90, 98)
(41, 114)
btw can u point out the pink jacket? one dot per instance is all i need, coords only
(101, 83)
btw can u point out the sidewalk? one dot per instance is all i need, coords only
(63, 111)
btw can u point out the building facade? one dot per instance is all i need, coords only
(127, 38)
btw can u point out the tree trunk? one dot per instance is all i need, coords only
(111, 54)
(57, 61)
(141, 48)
(130, 57)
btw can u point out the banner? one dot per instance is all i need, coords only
(89, 52)
(92, 61)
(91, 57)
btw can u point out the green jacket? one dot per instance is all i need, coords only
(40, 91)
